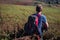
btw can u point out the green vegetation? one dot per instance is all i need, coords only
(12, 14)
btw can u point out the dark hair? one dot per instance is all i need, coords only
(38, 8)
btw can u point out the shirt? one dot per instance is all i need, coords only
(42, 18)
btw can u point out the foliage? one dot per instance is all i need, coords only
(18, 14)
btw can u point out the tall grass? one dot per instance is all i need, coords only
(13, 14)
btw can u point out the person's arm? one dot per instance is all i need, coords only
(45, 23)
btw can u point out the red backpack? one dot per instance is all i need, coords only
(31, 25)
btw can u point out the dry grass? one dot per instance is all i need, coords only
(12, 16)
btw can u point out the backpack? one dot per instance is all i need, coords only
(32, 24)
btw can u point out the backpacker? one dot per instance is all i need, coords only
(31, 25)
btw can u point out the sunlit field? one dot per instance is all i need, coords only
(11, 15)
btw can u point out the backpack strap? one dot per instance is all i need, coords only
(36, 21)
(37, 18)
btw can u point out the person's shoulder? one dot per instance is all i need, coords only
(43, 16)
(44, 19)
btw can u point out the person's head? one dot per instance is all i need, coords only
(38, 8)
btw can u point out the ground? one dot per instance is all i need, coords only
(12, 16)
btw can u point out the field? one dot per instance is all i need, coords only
(12, 16)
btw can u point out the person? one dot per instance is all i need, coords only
(41, 20)
(42, 23)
